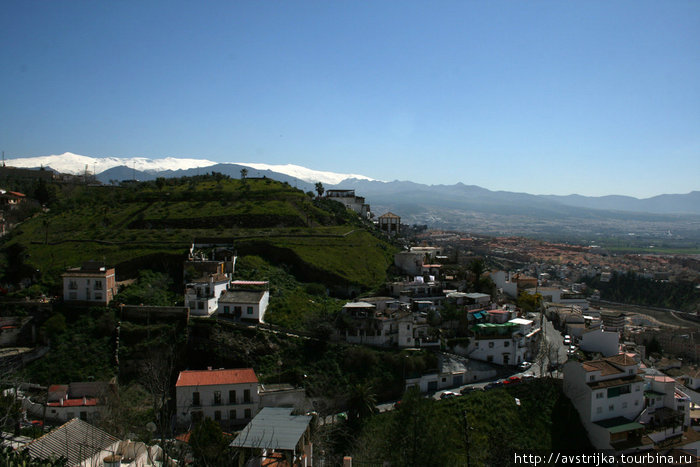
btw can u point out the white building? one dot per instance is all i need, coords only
(609, 396)
(503, 282)
(601, 341)
(665, 404)
(229, 397)
(92, 283)
(245, 305)
(201, 295)
(509, 343)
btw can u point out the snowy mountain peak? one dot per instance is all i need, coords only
(76, 164)
(307, 175)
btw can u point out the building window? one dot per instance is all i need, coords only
(200, 305)
(611, 407)
(599, 395)
(636, 402)
(247, 413)
(599, 410)
(217, 397)
(246, 396)
(237, 310)
(232, 397)
(73, 285)
(98, 284)
(232, 414)
(195, 399)
(624, 405)
(506, 344)
(226, 309)
(249, 310)
(217, 415)
(636, 388)
(98, 296)
(490, 345)
(591, 378)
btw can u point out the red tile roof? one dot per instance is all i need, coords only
(74, 403)
(213, 377)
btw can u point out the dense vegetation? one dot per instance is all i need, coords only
(634, 289)
(427, 432)
(151, 225)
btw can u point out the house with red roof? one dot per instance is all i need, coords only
(228, 396)
(83, 400)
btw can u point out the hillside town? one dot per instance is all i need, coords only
(487, 314)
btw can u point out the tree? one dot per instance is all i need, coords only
(208, 443)
(319, 189)
(362, 402)
(528, 302)
(244, 173)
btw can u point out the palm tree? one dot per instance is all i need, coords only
(244, 173)
(320, 189)
(362, 402)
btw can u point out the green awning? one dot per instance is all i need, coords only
(619, 425)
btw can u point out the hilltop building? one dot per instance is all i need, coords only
(389, 223)
(350, 201)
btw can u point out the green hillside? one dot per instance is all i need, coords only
(152, 224)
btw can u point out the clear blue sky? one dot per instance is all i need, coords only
(589, 97)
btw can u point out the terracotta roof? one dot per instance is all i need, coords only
(661, 379)
(604, 367)
(615, 382)
(213, 377)
(622, 360)
(74, 403)
(389, 215)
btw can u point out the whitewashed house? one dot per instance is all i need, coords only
(244, 305)
(609, 396)
(92, 283)
(202, 295)
(229, 397)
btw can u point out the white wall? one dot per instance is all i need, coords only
(184, 395)
(607, 343)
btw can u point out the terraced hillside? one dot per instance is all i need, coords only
(152, 224)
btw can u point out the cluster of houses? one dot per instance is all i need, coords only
(411, 316)
(234, 398)
(209, 288)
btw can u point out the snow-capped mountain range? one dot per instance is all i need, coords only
(76, 164)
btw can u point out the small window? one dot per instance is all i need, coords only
(611, 407)
(636, 402)
(232, 397)
(195, 398)
(247, 413)
(249, 310)
(217, 397)
(217, 415)
(506, 344)
(200, 305)
(444, 379)
(226, 309)
(591, 378)
(246, 395)
(599, 395)
(232, 414)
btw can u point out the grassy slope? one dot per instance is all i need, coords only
(123, 224)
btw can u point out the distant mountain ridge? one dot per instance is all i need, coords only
(413, 197)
